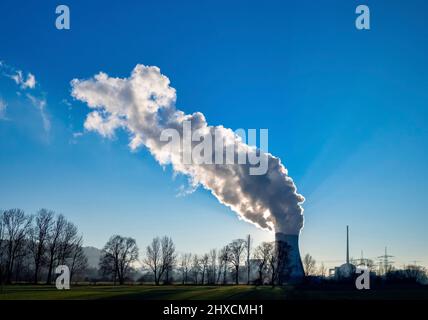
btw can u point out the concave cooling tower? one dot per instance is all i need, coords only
(293, 269)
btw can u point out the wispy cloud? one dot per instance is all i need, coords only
(40, 103)
(3, 106)
(25, 82)
(17, 75)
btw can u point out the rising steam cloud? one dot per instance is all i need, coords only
(144, 105)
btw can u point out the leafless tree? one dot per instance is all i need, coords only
(38, 239)
(322, 271)
(161, 258)
(236, 249)
(16, 227)
(79, 261)
(128, 254)
(223, 258)
(263, 254)
(117, 257)
(154, 259)
(309, 264)
(53, 243)
(185, 262)
(212, 270)
(248, 249)
(278, 263)
(204, 264)
(196, 268)
(67, 240)
(2, 249)
(169, 257)
(415, 273)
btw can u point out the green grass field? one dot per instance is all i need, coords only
(242, 292)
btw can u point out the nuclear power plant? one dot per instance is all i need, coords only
(288, 250)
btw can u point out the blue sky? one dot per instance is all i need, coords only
(346, 112)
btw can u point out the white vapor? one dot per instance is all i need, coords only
(144, 105)
(40, 103)
(37, 98)
(20, 80)
(3, 106)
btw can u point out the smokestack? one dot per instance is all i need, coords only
(347, 244)
(293, 269)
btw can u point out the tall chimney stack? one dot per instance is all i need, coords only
(347, 244)
(293, 269)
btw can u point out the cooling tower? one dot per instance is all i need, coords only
(292, 270)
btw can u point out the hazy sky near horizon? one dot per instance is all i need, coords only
(346, 112)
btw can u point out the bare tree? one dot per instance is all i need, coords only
(169, 257)
(79, 261)
(309, 264)
(186, 259)
(54, 243)
(204, 265)
(263, 254)
(2, 250)
(117, 257)
(223, 258)
(16, 227)
(278, 263)
(236, 249)
(212, 270)
(154, 259)
(196, 268)
(108, 267)
(322, 271)
(248, 258)
(67, 240)
(161, 258)
(414, 273)
(38, 239)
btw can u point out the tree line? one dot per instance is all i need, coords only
(31, 246)
(235, 263)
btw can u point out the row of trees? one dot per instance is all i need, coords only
(234, 263)
(162, 264)
(31, 246)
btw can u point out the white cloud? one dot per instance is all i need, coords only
(40, 104)
(3, 106)
(144, 105)
(24, 83)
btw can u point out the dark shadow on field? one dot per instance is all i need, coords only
(241, 292)
(275, 293)
(227, 292)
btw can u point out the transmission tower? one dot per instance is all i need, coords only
(385, 262)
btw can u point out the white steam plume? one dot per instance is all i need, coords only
(144, 105)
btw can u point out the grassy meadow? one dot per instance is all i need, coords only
(179, 292)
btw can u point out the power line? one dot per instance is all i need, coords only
(385, 262)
